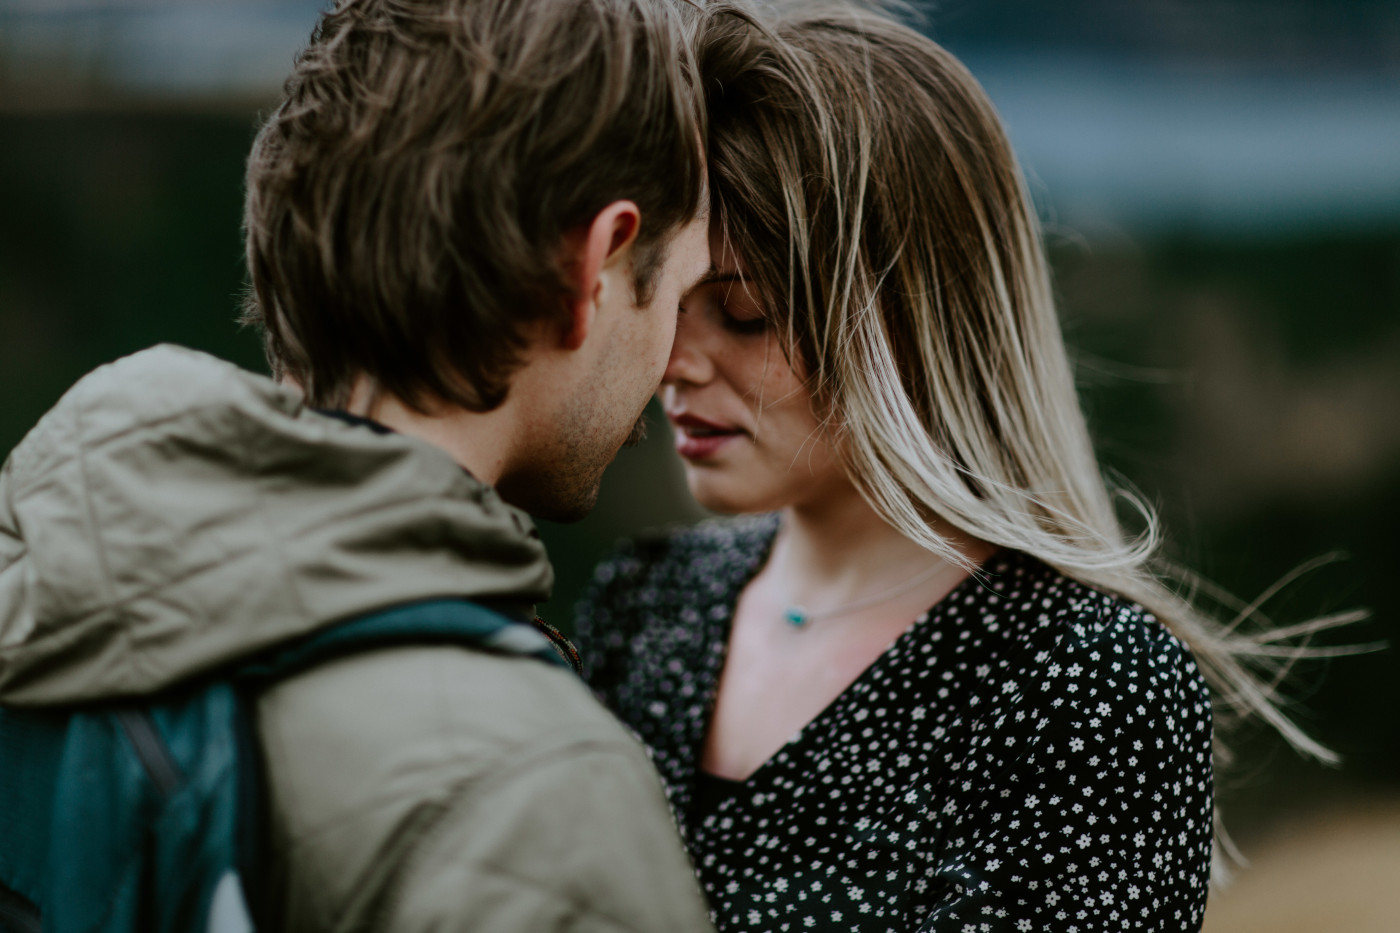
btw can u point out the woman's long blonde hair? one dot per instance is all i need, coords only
(865, 180)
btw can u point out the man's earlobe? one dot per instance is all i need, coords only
(602, 254)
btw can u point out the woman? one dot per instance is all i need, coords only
(919, 690)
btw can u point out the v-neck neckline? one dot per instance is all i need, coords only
(725, 626)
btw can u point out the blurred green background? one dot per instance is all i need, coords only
(1221, 185)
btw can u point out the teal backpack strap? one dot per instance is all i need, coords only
(439, 621)
(455, 622)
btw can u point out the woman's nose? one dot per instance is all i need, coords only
(689, 362)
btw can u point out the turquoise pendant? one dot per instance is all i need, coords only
(797, 617)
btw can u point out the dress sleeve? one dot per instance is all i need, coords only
(1086, 805)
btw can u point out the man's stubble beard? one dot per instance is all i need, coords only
(639, 432)
(561, 483)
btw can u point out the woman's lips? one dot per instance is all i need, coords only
(699, 439)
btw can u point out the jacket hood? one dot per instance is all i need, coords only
(174, 513)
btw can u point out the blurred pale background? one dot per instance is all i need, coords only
(1221, 186)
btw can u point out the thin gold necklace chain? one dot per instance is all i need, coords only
(799, 617)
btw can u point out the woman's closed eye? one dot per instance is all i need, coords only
(728, 303)
(742, 320)
(740, 309)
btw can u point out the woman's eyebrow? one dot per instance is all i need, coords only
(714, 277)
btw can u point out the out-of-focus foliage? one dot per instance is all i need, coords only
(1250, 388)
(117, 230)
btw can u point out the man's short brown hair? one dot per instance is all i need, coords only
(407, 200)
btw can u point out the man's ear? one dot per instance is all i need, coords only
(598, 251)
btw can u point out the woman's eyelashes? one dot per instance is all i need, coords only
(737, 314)
(742, 324)
(739, 310)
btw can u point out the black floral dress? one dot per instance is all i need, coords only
(1031, 754)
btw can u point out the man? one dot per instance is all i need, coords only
(469, 226)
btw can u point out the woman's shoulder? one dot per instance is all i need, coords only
(1043, 603)
(1084, 650)
(1077, 643)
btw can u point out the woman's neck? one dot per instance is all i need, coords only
(840, 547)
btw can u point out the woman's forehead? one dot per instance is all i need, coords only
(724, 256)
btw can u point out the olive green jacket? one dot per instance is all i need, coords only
(174, 514)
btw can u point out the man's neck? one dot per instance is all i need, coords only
(480, 442)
